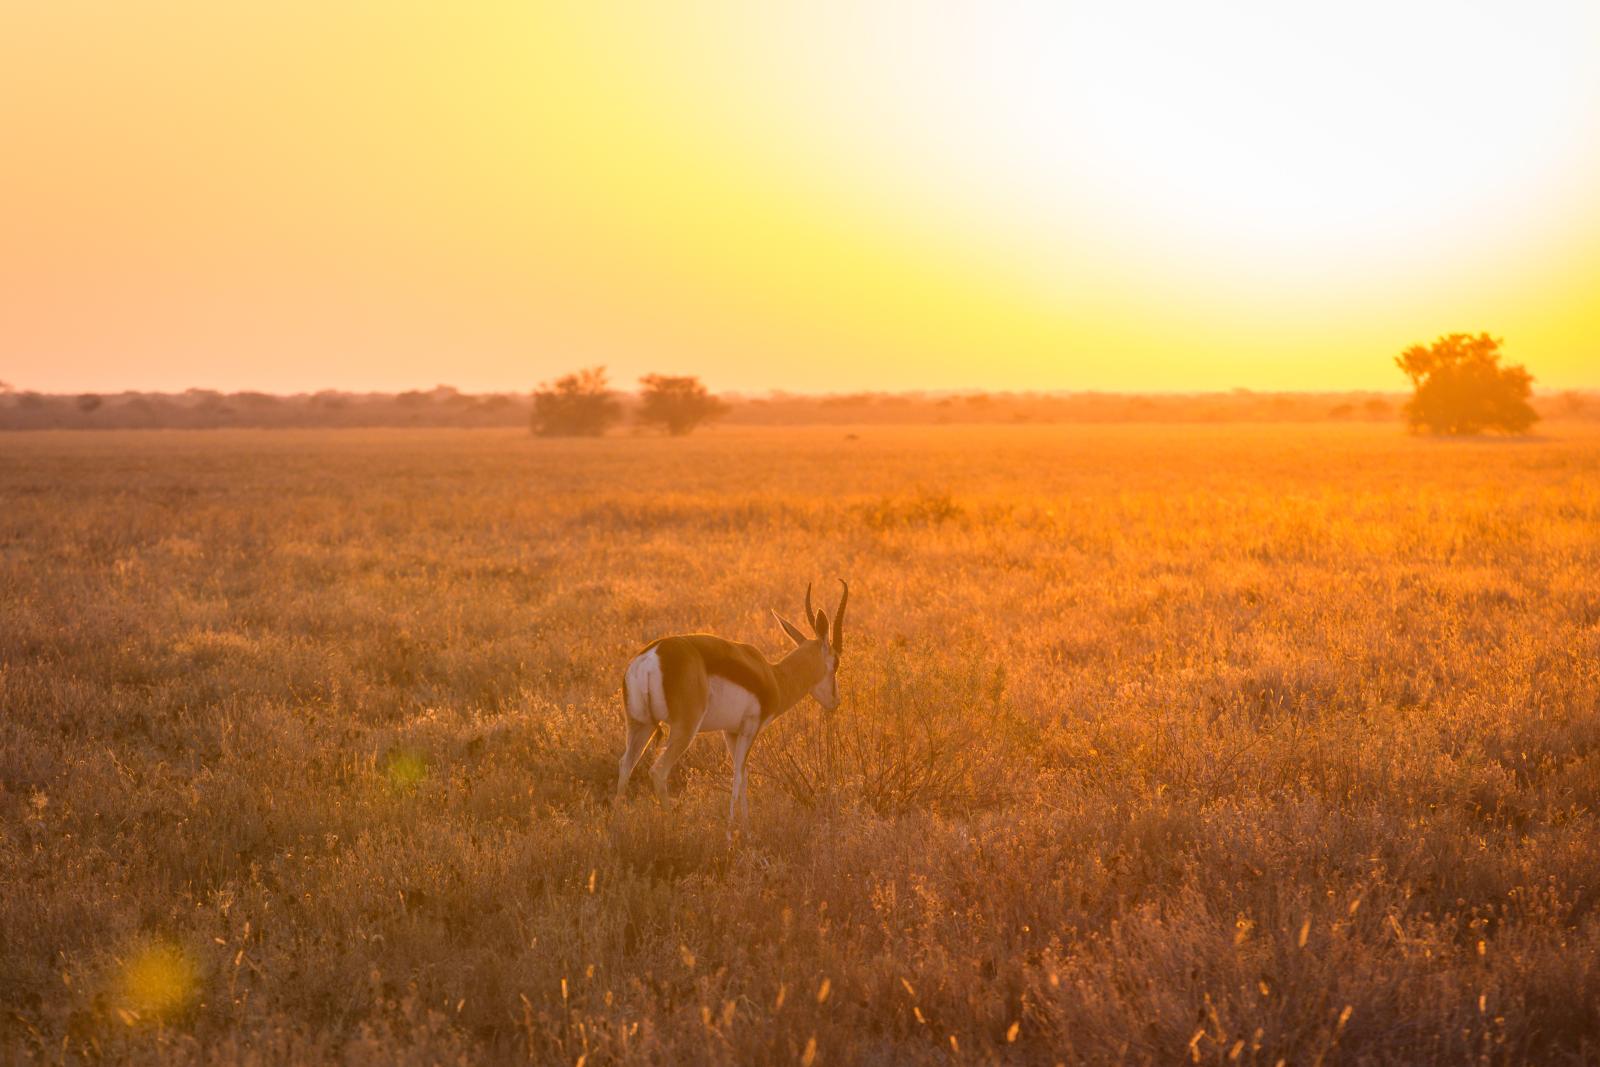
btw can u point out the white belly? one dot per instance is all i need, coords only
(730, 707)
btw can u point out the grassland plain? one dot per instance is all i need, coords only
(1159, 744)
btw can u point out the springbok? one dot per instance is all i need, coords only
(696, 682)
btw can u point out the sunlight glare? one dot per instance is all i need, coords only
(1248, 129)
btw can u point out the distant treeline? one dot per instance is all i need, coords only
(446, 406)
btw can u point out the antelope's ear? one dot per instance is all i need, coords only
(820, 625)
(789, 628)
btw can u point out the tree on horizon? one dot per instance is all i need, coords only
(677, 403)
(580, 404)
(1461, 388)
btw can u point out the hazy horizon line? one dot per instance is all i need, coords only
(12, 388)
(787, 394)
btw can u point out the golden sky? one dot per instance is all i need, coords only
(811, 196)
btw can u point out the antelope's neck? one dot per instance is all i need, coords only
(797, 674)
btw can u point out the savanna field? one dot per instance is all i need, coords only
(1214, 744)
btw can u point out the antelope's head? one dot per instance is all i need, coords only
(821, 650)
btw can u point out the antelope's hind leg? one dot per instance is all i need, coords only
(640, 734)
(685, 690)
(678, 739)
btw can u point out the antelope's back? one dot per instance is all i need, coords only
(684, 658)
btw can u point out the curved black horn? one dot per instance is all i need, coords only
(811, 616)
(838, 618)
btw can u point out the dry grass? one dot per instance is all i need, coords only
(1222, 744)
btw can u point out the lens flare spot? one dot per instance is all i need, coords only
(405, 768)
(157, 982)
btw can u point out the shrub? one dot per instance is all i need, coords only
(677, 404)
(577, 405)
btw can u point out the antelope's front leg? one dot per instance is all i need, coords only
(739, 748)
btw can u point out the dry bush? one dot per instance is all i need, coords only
(921, 733)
